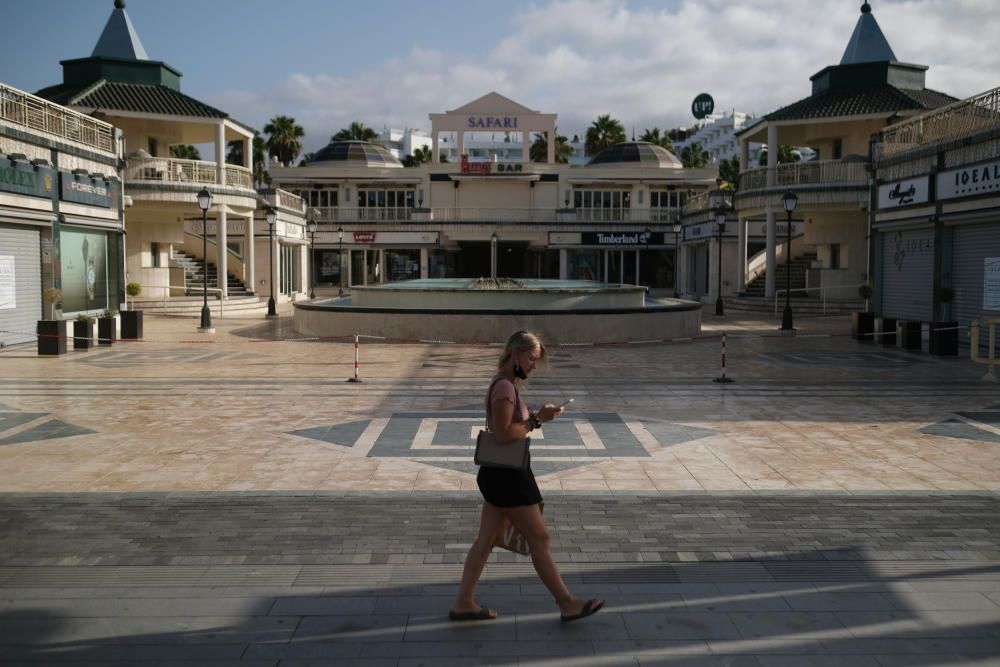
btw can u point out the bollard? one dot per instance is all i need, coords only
(722, 378)
(356, 377)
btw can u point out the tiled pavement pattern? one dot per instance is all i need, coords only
(231, 501)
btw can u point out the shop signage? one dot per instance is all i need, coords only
(26, 179)
(487, 168)
(492, 122)
(364, 237)
(7, 291)
(620, 238)
(86, 190)
(977, 179)
(904, 193)
(991, 283)
(702, 106)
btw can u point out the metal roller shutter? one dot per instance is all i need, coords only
(908, 274)
(21, 243)
(971, 246)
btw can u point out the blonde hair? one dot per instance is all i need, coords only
(522, 341)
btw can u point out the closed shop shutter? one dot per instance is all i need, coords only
(18, 323)
(908, 274)
(972, 245)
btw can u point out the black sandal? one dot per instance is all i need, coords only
(590, 607)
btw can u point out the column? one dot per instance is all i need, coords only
(563, 264)
(772, 163)
(741, 254)
(551, 156)
(525, 147)
(460, 144)
(220, 220)
(424, 261)
(435, 149)
(249, 268)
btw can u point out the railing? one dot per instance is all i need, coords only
(21, 108)
(707, 200)
(194, 172)
(283, 198)
(991, 357)
(822, 290)
(166, 294)
(491, 215)
(818, 172)
(955, 121)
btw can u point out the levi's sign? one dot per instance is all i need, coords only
(904, 193)
(364, 237)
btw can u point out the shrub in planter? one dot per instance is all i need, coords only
(51, 332)
(106, 327)
(83, 332)
(132, 319)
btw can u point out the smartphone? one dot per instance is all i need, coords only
(566, 404)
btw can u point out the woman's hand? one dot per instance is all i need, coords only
(549, 412)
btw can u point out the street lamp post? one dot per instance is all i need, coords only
(340, 261)
(205, 203)
(788, 200)
(493, 255)
(677, 258)
(720, 224)
(312, 254)
(271, 216)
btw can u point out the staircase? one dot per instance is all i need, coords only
(803, 303)
(194, 277)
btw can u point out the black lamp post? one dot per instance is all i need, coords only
(677, 258)
(205, 203)
(788, 200)
(340, 261)
(493, 255)
(312, 254)
(720, 224)
(271, 216)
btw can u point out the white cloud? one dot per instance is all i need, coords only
(581, 58)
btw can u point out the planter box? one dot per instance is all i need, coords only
(83, 335)
(105, 330)
(886, 330)
(862, 325)
(944, 343)
(131, 324)
(909, 334)
(51, 337)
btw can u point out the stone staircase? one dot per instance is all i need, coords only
(753, 299)
(240, 302)
(194, 276)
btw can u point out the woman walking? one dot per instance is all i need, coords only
(512, 495)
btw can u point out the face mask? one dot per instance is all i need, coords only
(519, 372)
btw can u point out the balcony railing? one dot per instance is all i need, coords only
(707, 200)
(192, 172)
(21, 108)
(283, 198)
(493, 215)
(795, 174)
(955, 121)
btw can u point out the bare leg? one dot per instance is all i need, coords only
(491, 522)
(529, 521)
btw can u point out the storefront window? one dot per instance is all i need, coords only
(583, 264)
(440, 264)
(601, 205)
(403, 264)
(327, 267)
(89, 269)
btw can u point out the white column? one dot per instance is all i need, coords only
(744, 155)
(220, 222)
(551, 157)
(563, 264)
(249, 269)
(435, 149)
(461, 144)
(741, 254)
(772, 163)
(525, 147)
(424, 261)
(345, 268)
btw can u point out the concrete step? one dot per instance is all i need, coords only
(190, 306)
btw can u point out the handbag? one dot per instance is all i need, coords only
(490, 453)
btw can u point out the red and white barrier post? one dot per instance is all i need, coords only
(357, 359)
(722, 378)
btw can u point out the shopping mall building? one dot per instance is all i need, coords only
(613, 219)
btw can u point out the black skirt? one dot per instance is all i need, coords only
(505, 487)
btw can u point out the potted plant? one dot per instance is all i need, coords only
(132, 318)
(51, 332)
(83, 332)
(106, 327)
(863, 321)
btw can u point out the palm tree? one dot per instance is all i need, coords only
(185, 152)
(654, 136)
(729, 170)
(603, 132)
(786, 154)
(283, 139)
(539, 151)
(306, 158)
(234, 155)
(420, 155)
(358, 131)
(695, 157)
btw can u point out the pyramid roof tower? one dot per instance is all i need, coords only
(867, 43)
(119, 38)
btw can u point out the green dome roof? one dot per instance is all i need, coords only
(636, 154)
(356, 154)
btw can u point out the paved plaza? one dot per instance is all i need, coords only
(225, 499)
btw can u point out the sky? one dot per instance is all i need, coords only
(390, 63)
